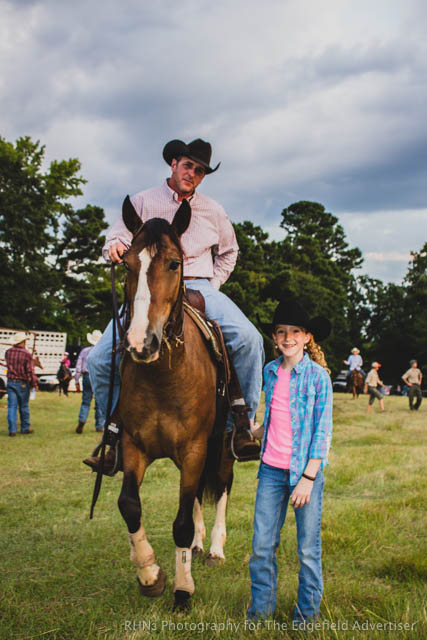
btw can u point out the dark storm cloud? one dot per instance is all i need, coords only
(301, 101)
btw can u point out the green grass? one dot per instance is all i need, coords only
(64, 576)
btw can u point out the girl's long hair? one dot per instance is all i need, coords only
(315, 353)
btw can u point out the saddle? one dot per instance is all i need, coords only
(228, 385)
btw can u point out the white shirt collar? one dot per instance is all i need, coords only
(174, 194)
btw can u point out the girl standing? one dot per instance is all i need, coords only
(295, 444)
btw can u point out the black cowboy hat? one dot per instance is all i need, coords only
(290, 311)
(198, 150)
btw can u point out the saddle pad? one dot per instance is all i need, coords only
(207, 330)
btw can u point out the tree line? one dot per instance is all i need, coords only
(54, 279)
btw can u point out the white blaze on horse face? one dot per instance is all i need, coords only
(139, 324)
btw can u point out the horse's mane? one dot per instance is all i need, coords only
(154, 229)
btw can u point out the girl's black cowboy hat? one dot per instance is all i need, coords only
(290, 311)
(198, 150)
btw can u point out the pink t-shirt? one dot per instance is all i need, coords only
(278, 449)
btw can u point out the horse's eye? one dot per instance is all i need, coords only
(174, 265)
(126, 266)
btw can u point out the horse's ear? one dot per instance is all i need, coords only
(182, 218)
(130, 216)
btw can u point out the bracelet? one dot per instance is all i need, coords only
(304, 475)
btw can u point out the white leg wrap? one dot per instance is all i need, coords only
(183, 579)
(199, 526)
(219, 534)
(142, 556)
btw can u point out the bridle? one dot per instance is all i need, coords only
(173, 329)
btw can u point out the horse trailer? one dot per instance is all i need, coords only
(47, 349)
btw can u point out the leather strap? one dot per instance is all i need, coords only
(116, 324)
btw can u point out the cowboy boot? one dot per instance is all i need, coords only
(79, 428)
(113, 461)
(110, 468)
(244, 445)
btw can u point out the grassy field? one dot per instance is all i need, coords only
(64, 576)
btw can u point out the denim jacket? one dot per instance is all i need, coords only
(310, 392)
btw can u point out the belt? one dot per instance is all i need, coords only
(191, 277)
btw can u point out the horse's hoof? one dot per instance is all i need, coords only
(154, 590)
(182, 600)
(214, 561)
(196, 552)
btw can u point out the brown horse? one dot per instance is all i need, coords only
(168, 403)
(356, 382)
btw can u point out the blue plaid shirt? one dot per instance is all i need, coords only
(310, 393)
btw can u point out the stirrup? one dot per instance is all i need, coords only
(117, 465)
(113, 439)
(249, 456)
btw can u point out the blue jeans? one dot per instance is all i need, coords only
(18, 395)
(87, 395)
(244, 342)
(271, 504)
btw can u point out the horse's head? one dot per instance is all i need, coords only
(153, 284)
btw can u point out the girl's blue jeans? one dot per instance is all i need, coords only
(243, 341)
(271, 504)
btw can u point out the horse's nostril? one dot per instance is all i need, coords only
(154, 346)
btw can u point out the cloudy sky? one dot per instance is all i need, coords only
(302, 100)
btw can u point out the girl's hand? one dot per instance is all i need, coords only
(300, 496)
(256, 430)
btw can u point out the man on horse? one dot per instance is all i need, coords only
(354, 362)
(210, 249)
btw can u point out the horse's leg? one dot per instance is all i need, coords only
(150, 576)
(219, 532)
(199, 528)
(183, 526)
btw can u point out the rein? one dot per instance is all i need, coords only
(117, 325)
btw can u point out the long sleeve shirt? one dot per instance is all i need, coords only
(354, 361)
(81, 366)
(210, 231)
(20, 365)
(310, 400)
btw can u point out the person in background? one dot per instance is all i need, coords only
(295, 444)
(372, 384)
(354, 361)
(87, 393)
(66, 360)
(413, 378)
(20, 379)
(64, 374)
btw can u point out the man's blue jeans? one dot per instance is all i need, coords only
(271, 504)
(87, 395)
(244, 342)
(18, 395)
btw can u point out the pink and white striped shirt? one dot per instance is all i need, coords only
(210, 228)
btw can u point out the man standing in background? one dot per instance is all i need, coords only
(413, 378)
(20, 379)
(87, 392)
